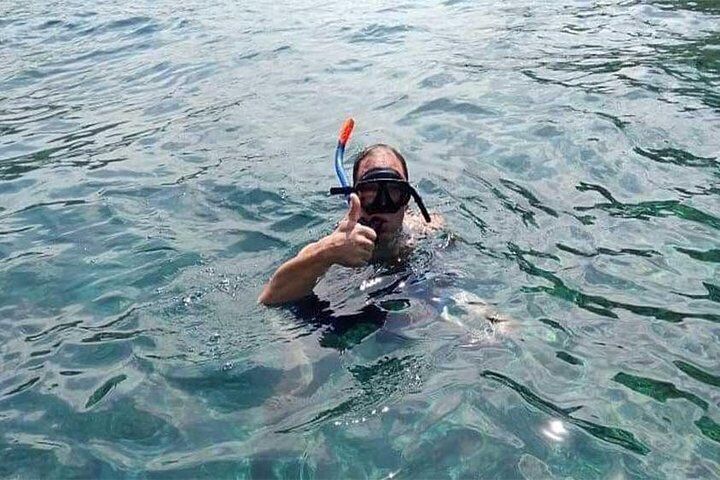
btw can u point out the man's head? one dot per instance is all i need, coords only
(380, 156)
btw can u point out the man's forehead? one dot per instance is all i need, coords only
(380, 159)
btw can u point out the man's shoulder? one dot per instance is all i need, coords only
(416, 225)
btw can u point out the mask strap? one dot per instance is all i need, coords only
(342, 190)
(420, 204)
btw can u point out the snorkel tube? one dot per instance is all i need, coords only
(345, 133)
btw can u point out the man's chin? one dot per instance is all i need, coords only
(384, 231)
(387, 237)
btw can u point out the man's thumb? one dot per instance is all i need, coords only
(355, 210)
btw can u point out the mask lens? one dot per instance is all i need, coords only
(367, 193)
(382, 196)
(398, 194)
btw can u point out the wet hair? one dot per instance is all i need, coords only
(370, 151)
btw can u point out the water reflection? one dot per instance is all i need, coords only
(555, 431)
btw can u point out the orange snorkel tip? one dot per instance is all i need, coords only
(346, 131)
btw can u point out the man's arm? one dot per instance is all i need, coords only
(350, 245)
(297, 277)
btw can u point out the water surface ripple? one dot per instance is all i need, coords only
(157, 161)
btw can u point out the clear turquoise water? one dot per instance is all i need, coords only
(158, 161)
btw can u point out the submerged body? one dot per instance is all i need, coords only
(378, 229)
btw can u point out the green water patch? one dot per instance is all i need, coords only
(698, 60)
(608, 251)
(588, 88)
(527, 216)
(53, 330)
(566, 357)
(102, 337)
(677, 157)
(104, 389)
(709, 428)
(529, 196)
(697, 373)
(704, 6)
(713, 293)
(517, 250)
(657, 389)
(349, 337)
(649, 209)
(554, 324)
(612, 435)
(595, 303)
(22, 387)
(712, 256)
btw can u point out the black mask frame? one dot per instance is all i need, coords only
(382, 202)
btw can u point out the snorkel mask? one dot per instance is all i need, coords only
(381, 190)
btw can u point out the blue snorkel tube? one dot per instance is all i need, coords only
(345, 132)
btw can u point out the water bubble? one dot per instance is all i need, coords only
(369, 283)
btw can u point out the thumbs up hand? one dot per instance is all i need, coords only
(351, 244)
(353, 214)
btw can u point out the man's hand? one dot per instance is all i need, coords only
(351, 244)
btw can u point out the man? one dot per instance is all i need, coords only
(371, 229)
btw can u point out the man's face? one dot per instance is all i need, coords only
(387, 225)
